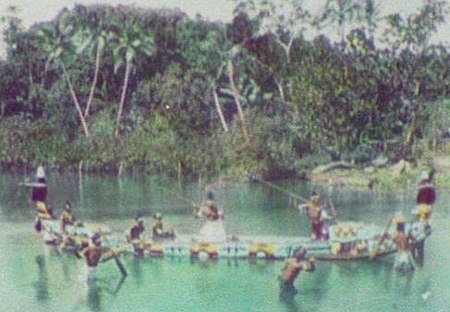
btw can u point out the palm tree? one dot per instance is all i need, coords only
(95, 24)
(236, 94)
(54, 40)
(129, 40)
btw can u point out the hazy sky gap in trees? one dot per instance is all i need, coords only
(32, 11)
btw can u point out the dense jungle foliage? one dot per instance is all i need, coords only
(112, 88)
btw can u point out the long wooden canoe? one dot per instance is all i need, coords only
(358, 246)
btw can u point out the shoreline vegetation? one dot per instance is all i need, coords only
(120, 89)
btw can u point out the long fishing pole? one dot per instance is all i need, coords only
(283, 190)
(184, 198)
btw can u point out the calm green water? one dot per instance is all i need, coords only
(226, 285)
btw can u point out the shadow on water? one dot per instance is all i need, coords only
(95, 290)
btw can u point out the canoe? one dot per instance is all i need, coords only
(356, 246)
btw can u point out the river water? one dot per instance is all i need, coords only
(34, 277)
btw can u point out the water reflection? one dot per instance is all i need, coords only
(95, 291)
(136, 269)
(204, 263)
(93, 297)
(41, 286)
(287, 299)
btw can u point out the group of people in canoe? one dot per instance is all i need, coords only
(93, 252)
(91, 249)
(405, 243)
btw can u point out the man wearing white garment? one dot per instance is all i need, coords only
(213, 230)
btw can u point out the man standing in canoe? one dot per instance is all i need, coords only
(213, 230)
(316, 214)
(39, 197)
(426, 196)
(39, 188)
(291, 271)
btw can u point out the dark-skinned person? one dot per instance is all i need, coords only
(291, 270)
(158, 231)
(135, 236)
(67, 217)
(93, 253)
(426, 197)
(316, 215)
(404, 261)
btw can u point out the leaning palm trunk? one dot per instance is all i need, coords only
(94, 82)
(236, 96)
(122, 98)
(75, 100)
(219, 111)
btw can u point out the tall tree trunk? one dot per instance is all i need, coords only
(75, 101)
(94, 82)
(122, 97)
(219, 110)
(236, 96)
(280, 89)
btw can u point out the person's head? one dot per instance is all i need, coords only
(68, 206)
(424, 176)
(96, 239)
(158, 216)
(40, 173)
(315, 198)
(401, 227)
(210, 196)
(300, 254)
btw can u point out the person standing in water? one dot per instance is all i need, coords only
(404, 261)
(291, 270)
(92, 252)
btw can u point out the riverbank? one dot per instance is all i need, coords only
(400, 175)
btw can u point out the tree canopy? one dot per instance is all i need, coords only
(112, 87)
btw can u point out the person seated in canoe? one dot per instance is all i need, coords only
(135, 236)
(426, 196)
(359, 248)
(158, 232)
(67, 217)
(291, 270)
(213, 229)
(316, 215)
(404, 261)
(68, 243)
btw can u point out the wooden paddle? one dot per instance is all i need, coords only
(116, 258)
(381, 238)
